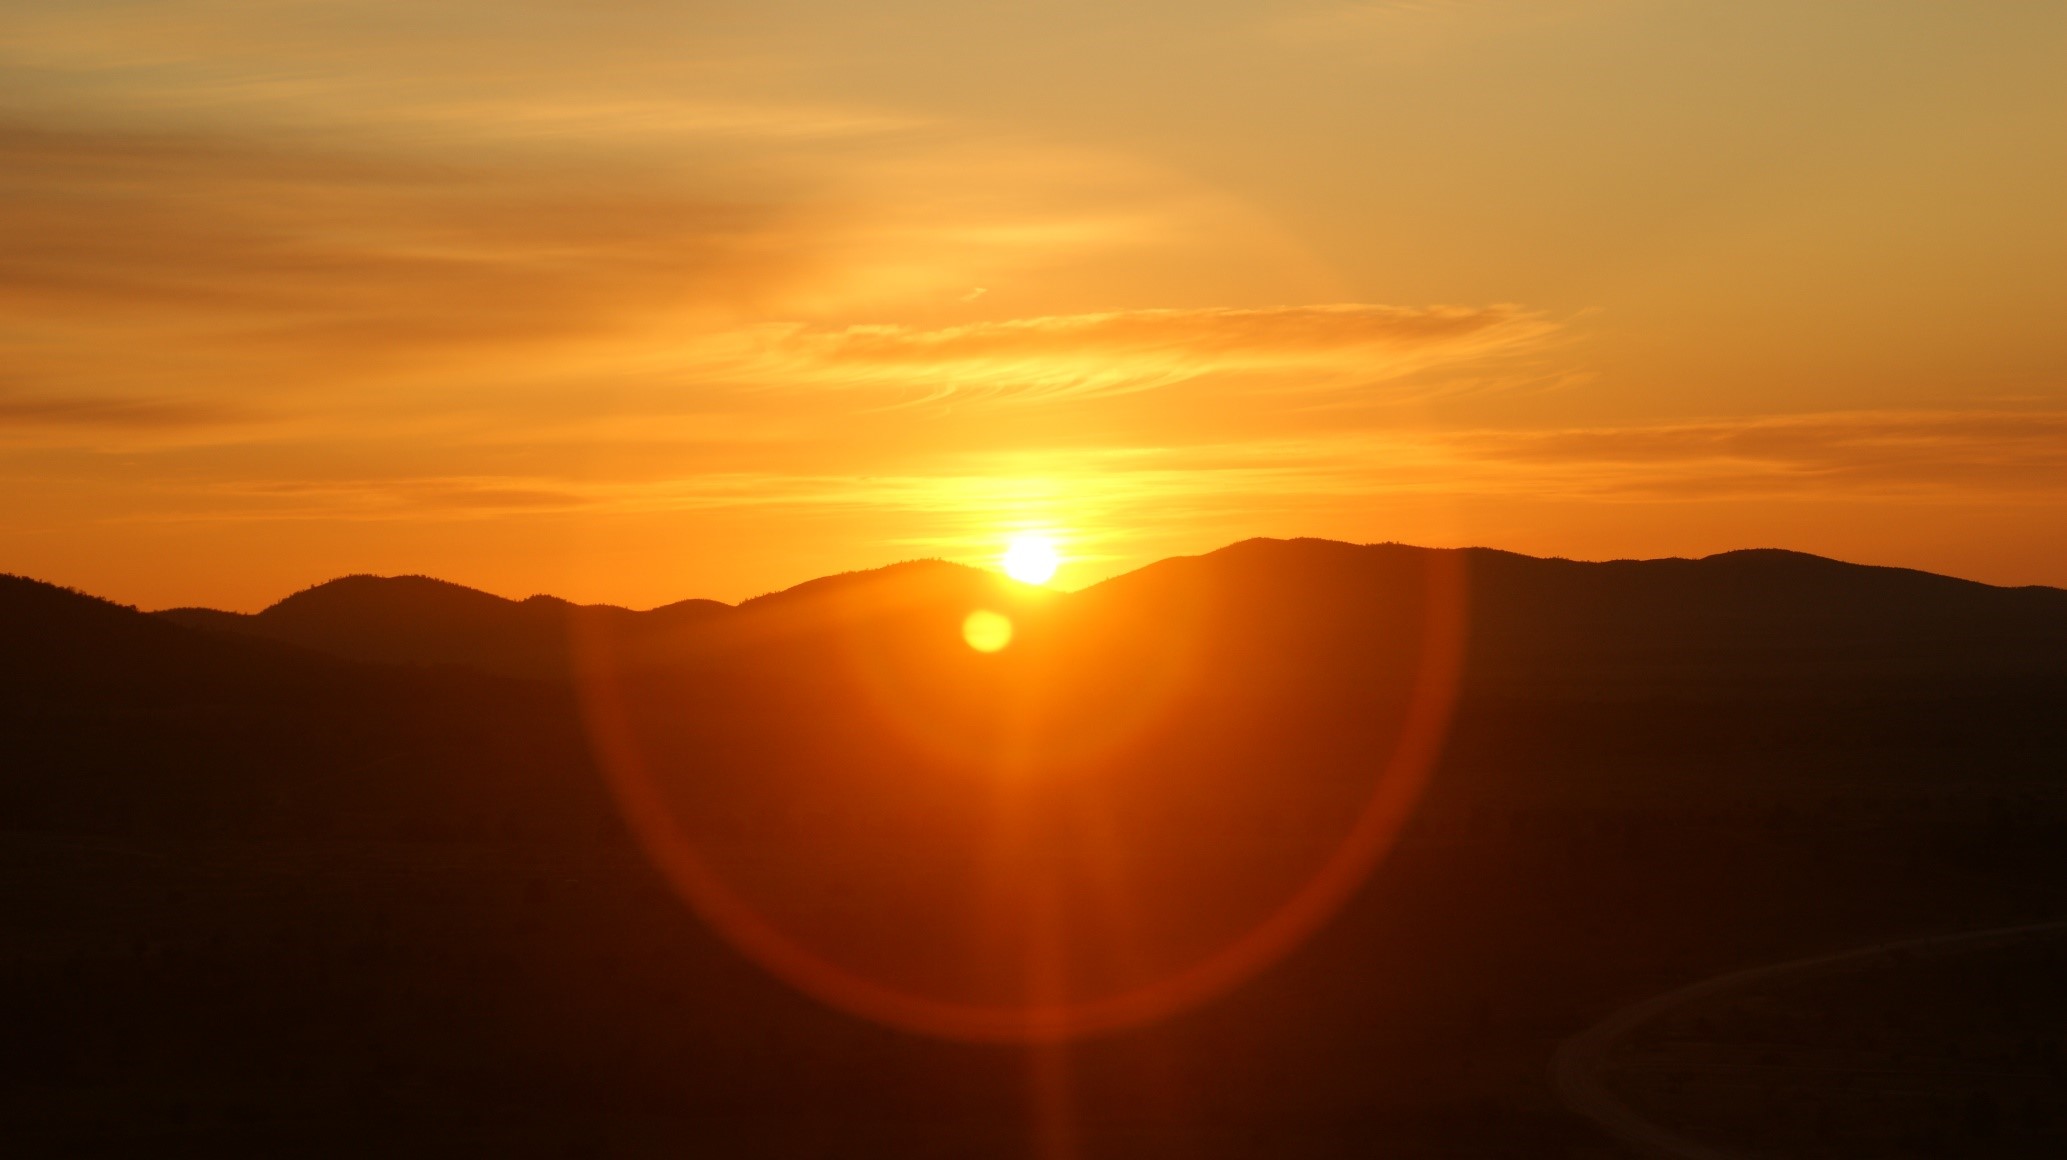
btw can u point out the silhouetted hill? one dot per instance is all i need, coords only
(1749, 620)
(118, 720)
(271, 895)
(900, 583)
(418, 620)
(1744, 619)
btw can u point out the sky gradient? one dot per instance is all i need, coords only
(632, 302)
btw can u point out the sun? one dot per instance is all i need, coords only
(1031, 558)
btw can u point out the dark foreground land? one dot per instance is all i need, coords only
(345, 878)
(1953, 1047)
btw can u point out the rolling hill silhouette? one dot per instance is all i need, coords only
(1747, 617)
(386, 867)
(118, 721)
(418, 620)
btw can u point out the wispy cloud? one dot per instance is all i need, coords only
(237, 253)
(112, 413)
(325, 275)
(1369, 22)
(1954, 456)
(1123, 351)
(1894, 453)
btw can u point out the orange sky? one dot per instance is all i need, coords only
(636, 301)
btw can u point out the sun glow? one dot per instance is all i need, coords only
(987, 631)
(1031, 559)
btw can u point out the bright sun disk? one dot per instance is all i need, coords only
(1031, 559)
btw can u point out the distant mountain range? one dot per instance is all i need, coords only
(1637, 674)
(1754, 616)
(418, 620)
(397, 867)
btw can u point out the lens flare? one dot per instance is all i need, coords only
(987, 631)
(1031, 559)
(1080, 881)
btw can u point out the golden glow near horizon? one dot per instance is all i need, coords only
(987, 631)
(1031, 558)
(528, 295)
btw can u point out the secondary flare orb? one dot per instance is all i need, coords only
(987, 631)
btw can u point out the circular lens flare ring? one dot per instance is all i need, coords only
(1394, 793)
(1031, 558)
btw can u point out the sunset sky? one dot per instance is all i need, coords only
(638, 301)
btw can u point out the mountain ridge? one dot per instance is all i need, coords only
(1525, 610)
(276, 861)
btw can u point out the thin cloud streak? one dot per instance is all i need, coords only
(1393, 23)
(224, 251)
(113, 413)
(1949, 455)
(1125, 351)
(1113, 505)
(1890, 453)
(321, 273)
